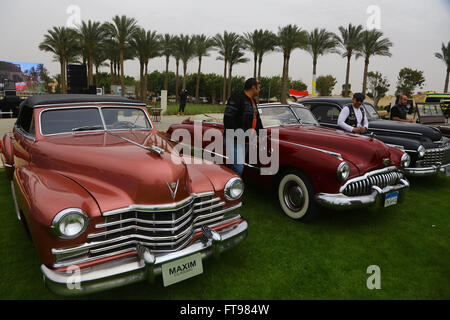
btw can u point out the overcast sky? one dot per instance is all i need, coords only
(416, 28)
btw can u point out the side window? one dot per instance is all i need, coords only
(25, 120)
(326, 113)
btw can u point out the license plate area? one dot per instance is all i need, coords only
(182, 269)
(391, 199)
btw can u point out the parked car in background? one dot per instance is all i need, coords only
(9, 104)
(428, 149)
(442, 98)
(431, 114)
(321, 166)
(96, 189)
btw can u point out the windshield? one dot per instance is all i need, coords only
(70, 120)
(277, 116)
(305, 115)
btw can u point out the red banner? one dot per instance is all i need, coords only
(297, 93)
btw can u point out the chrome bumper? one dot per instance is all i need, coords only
(139, 267)
(428, 171)
(341, 201)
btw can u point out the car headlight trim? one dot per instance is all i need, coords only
(70, 223)
(421, 151)
(405, 160)
(343, 171)
(234, 188)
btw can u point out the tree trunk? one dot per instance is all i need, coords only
(63, 76)
(259, 67)
(166, 76)
(255, 58)
(122, 76)
(91, 68)
(224, 91)
(366, 68)
(141, 79)
(314, 75)
(96, 75)
(176, 81)
(197, 87)
(145, 80)
(184, 74)
(111, 70)
(230, 78)
(284, 82)
(347, 77)
(446, 80)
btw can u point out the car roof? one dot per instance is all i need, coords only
(338, 100)
(57, 99)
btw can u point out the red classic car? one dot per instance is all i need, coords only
(98, 192)
(319, 165)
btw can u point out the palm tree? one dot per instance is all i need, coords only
(319, 42)
(225, 43)
(349, 42)
(372, 45)
(154, 50)
(140, 47)
(122, 30)
(61, 41)
(252, 42)
(202, 46)
(268, 42)
(185, 47)
(167, 49)
(177, 56)
(91, 36)
(290, 37)
(236, 57)
(445, 56)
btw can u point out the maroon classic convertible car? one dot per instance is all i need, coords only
(99, 194)
(322, 166)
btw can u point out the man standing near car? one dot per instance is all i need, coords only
(241, 112)
(183, 98)
(352, 118)
(399, 111)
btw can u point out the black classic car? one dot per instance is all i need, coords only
(429, 150)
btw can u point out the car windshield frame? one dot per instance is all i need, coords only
(99, 109)
(365, 106)
(290, 108)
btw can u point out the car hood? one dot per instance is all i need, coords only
(408, 129)
(364, 153)
(118, 173)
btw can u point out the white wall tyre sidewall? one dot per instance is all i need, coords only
(290, 213)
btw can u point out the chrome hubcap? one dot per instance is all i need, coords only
(293, 196)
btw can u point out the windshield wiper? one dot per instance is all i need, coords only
(87, 128)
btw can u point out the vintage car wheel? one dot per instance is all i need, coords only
(295, 193)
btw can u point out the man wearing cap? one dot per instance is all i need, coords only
(352, 117)
(241, 112)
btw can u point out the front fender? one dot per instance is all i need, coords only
(41, 194)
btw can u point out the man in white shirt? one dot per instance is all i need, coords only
(353, 118)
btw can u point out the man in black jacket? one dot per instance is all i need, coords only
(241, 112)
(183, 98)
(399, 111)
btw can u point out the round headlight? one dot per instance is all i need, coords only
(70, 223)
(234, 188)
(421, 151)
(406, 160)
(343, 171)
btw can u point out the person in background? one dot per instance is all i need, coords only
(352, 118)
(183, 98)
(399, 111)
(241, 112)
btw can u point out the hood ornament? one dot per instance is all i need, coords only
(173, 188)
(372, 135)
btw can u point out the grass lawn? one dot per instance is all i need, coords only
(192, 109)
(285, 259)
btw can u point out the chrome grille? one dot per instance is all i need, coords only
(363, 185)
(436, 155)
(161, 231)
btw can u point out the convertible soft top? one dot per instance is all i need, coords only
(55, 99)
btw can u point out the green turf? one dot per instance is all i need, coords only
(192, 109)
(285, 259)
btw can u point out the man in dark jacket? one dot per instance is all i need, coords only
(241, 112)
(183, 98)
(399, 111)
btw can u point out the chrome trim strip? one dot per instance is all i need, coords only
(397, 131)
(206, 202)
(210, 207)
(159, 207)
(4, 163)
(334, 154)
